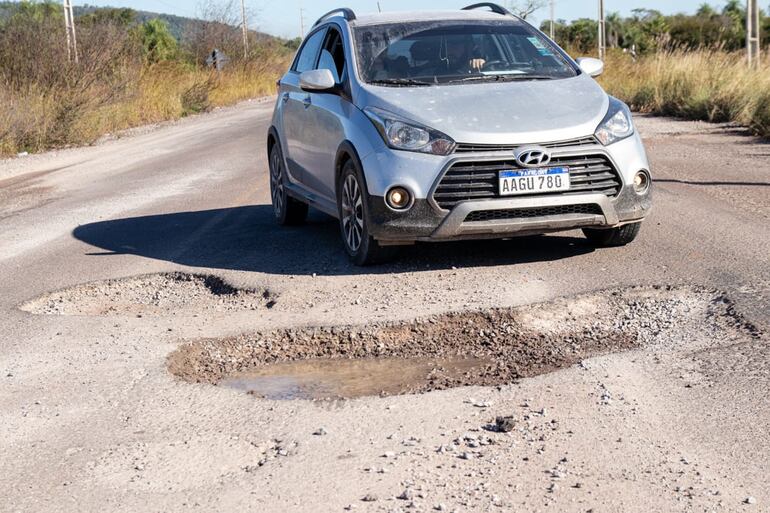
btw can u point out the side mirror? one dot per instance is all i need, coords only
(590, 66)
(317, 80)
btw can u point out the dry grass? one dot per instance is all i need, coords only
(700, 85)
(31, 120)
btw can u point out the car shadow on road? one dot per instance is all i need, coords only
(247, 239)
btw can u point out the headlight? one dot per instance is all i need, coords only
(616, 125)
(402, 134)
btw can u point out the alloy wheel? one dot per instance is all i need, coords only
(352, 213)
(276, 182)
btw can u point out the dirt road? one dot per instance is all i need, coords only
(138, 273)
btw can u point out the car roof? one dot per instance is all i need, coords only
(422, 16)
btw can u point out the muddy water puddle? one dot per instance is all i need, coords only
(349, 378)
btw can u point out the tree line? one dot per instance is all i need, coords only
(648, 30)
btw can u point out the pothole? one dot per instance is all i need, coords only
(151, 294)
(486, 348)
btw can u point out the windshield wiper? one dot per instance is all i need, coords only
(404, 82)
(502, 78)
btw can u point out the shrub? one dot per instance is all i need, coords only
(705, 85)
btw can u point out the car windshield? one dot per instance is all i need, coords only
(427, 53)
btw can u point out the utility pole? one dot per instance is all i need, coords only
(72, 40)
(752, 32)
(245, 30)
(552, 16)
(302, 22)
(602, 32)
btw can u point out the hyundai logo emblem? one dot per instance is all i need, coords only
(532, 156)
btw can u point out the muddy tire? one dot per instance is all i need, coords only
(287, 210)
(361, 247)
(612, 237)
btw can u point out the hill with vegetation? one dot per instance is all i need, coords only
(178, 26)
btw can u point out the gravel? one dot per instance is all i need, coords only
(519, 342)
(152, 294)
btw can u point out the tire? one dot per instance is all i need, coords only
(287, 210)
(361, 247)
(619, 236)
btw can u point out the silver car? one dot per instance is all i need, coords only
(436, 126)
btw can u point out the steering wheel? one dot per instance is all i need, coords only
(492, 65)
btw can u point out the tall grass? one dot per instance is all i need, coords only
(699, 85)
(32, 119)
(171, 91)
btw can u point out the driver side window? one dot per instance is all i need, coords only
(333, 55)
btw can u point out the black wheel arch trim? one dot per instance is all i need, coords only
(346, 148)
(272, 133)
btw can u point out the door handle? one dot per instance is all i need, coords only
(307, 101)
(285, 97)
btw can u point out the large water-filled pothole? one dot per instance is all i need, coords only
(471, 348)
(151, 294)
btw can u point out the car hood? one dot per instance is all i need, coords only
(525, 112)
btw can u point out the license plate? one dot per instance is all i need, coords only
(533, 181)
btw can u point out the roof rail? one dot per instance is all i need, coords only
(348, 14)
(495, 8)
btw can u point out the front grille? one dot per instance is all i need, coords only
(523, 213)
(469, 147)
(479, 180)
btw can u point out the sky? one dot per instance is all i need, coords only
(282, 17)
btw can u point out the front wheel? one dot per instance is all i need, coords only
(619, 236)
(362, 248)
(287, 210)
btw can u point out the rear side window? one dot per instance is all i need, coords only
(307, 56)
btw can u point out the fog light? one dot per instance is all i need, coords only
(641, 182)
(398, 198)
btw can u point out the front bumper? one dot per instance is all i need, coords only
(514, 217)
(427, 221)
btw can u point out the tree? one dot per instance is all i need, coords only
(582, 34)
(525, 8)
(122, 17)
(705, 10)
(38, 11)
(649, 30)
(157, 42)
(615, 28)
(218, 28)
(293, 44)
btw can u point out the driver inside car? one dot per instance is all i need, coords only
(461, 56)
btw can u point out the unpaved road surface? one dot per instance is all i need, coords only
(139, 273)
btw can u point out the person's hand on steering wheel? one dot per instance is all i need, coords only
(477, 64)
